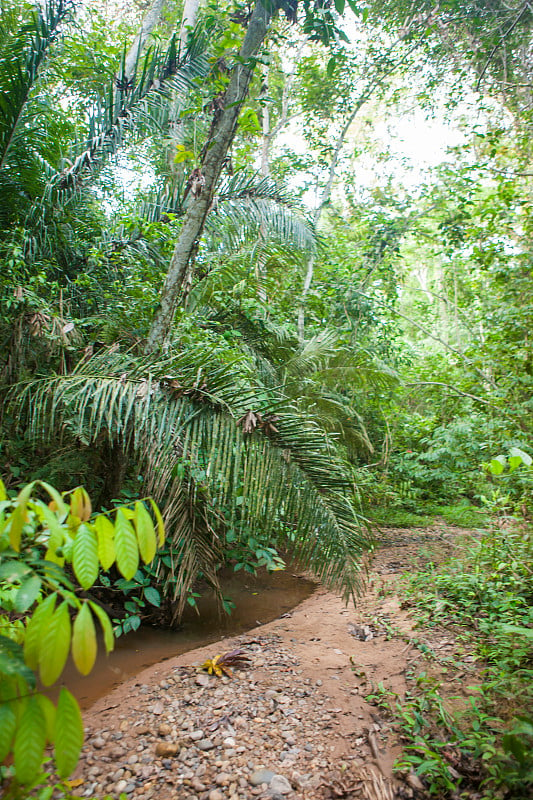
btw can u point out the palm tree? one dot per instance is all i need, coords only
(222, 461)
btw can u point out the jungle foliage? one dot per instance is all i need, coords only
(222, 289)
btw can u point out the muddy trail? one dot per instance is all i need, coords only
(293, 722)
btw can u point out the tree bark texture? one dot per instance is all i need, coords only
(222, 134)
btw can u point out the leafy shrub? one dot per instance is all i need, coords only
(47, 552)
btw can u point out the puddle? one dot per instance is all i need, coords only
(258, 599)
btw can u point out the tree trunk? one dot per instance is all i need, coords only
(148, 24)
(222, 134)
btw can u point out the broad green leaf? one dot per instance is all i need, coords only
(339, 5)
(160, 523)
(55, 645)
(84, 645)
(3, 496)
(105, 532)
(126, 547)
(35, 629)
(12, 664)
(68, 734)
(526, 459)
(30, 740)
(12, 570)
(28, 594)
(56, 536)
(497, 465)
(85, 556)
(107, 628)
(153, 596)
(49, 711)
(144, 528)
(7, 729)
(514, 463)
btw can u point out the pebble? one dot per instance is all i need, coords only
(205, 744)
(200, 737)
(261, 776)
(280, 785)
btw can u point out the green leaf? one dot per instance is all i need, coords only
(144, 528)
(68, 734)
(12, 570)
(55, 645)
(85, 556)
(84, 645)
(339, 5)
(28, 594)
(153, 596)
(8, 722)
(126, 547)
(497, 465)
(107, 628)
(35, 629)
(515, 452)
(49, 711)
(330, 69)
(105, 532)
(30, 741)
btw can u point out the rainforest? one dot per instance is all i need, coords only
(266, 313)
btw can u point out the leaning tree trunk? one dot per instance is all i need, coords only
(221, 137)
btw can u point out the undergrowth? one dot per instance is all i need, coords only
(481, 746)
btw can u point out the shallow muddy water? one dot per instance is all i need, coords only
(258, 600)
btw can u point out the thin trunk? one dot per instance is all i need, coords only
(148, 24)
(222, 134)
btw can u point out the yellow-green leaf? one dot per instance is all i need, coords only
(144, 528)
(16, 522)
(3, 493)
(160, 523)
(106, 541)
(68, 735)
(7, 729)
(37, 625)
(85, 556)
(30, 740)
(80, 504)
(55, 645)
(126, 547)
(107, 628)
(84, 645)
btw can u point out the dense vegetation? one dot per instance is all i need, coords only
(228, 287)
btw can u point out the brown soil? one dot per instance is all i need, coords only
(315, 660)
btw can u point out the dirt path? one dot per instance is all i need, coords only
(294, 723)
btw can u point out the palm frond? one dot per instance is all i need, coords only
(183, 419)
(144, 97)
(21, 58)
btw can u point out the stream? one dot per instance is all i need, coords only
(258, 599)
